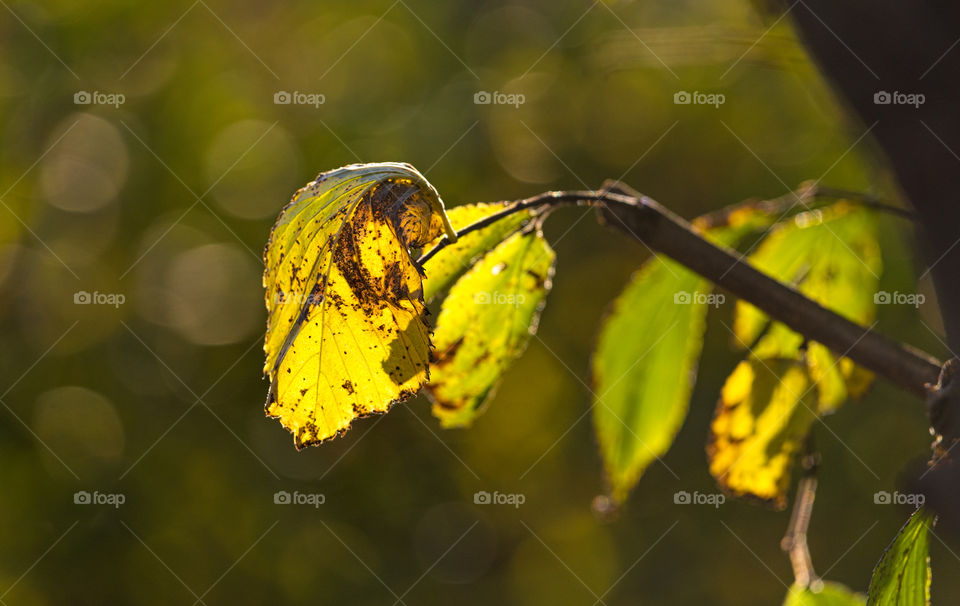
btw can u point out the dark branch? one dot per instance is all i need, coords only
(665, 232)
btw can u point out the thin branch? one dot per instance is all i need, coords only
(544, 200)
(795, 540)
(663, 231)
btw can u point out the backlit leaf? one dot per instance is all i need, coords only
(485, 323)
(644, 365)
(829, 594)
(454, 259)
(902, 577)
(346, 335)
(764, 414)
(831, 255)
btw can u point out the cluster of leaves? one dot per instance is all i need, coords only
(348, 334)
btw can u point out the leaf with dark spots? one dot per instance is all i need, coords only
(348, 338)
(752, 449)
(485, 323)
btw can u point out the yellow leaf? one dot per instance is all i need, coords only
(346, 335)
(764, 413)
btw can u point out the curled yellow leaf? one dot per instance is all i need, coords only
(346, 335)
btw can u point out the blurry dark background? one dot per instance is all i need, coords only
(167, 199)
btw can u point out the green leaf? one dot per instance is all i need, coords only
(644, 365)
(830, 255)
(485, 323)
(644, 369)
(454, 259)
(829, 594)
(902, 577)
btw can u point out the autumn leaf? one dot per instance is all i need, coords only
(346, 335)
(772, 398)
(764, 413)
(485, 323)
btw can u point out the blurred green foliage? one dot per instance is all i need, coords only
(168, 198)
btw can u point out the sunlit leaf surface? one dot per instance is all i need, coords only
(902, 577)
(764, 413)
(346, 335)
(644, 365)
(454, 259)
(830, 594)
(773, 397)
(485, 323)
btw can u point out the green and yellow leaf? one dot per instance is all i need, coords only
(830, 255)
(454, 259)
(829, 594)
(485, 323)
(902, 577)
(346, 335)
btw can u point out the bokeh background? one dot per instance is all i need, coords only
(165, 201)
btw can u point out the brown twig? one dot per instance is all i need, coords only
(795, 540)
